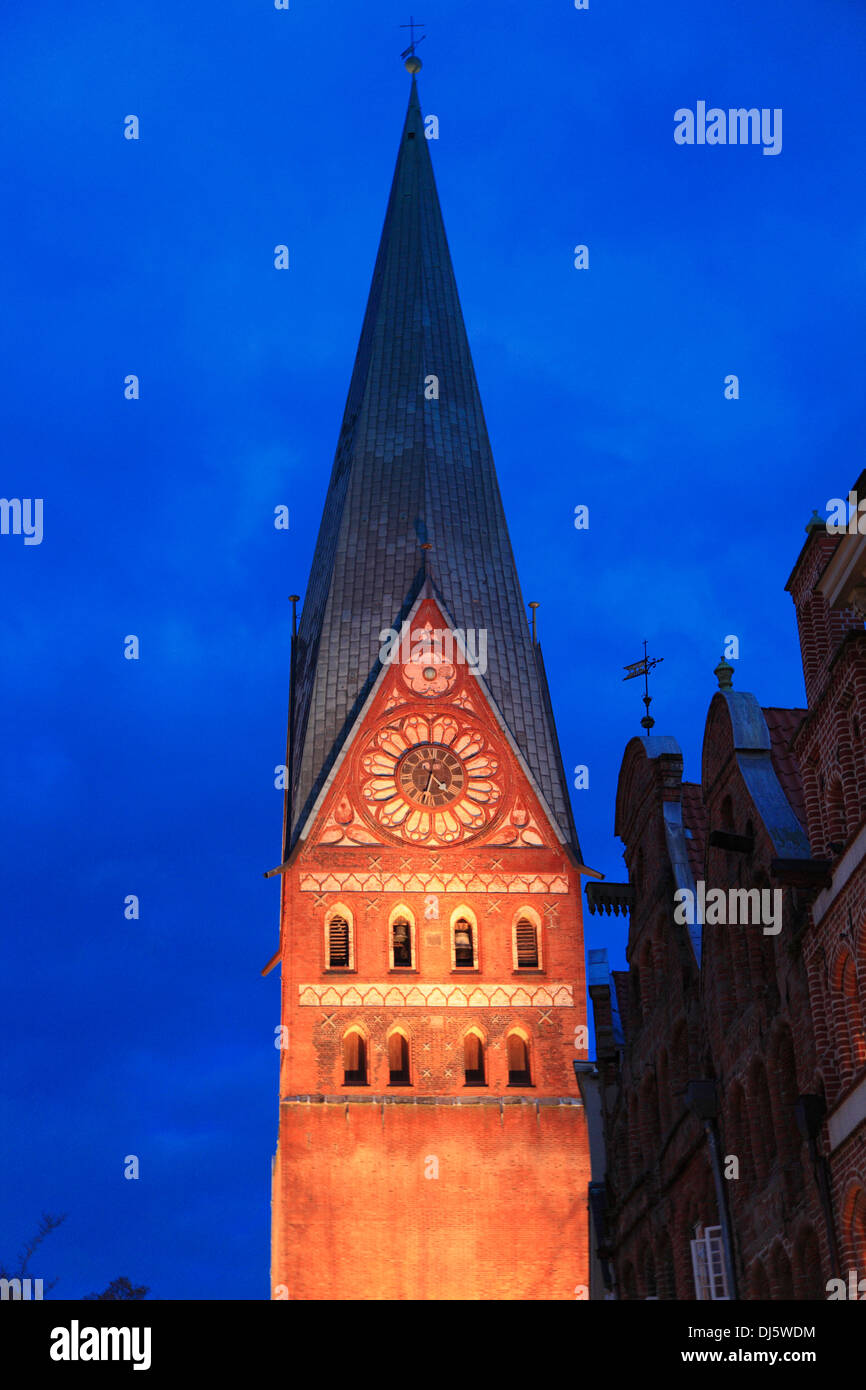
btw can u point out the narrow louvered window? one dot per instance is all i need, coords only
(527, 943)
(338, 943)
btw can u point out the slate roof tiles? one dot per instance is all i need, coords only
(407, 470)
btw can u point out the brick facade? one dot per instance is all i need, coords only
(828, 587)
(732, 1059)
(414, 1187)
(433, 1142)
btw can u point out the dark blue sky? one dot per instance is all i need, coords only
(603, 387)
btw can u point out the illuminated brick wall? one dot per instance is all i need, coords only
(358, 1212)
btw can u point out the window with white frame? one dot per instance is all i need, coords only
(708, 1265)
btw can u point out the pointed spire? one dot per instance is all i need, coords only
(413, 466)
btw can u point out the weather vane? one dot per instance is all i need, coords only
(643, 668)
(412, 63)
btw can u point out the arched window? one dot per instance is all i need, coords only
(518, 1060)
(635, 1151)
(667, 1284)
(719, 952)
(664, 1091)
(526, 939)
(635, 996)
(338, 943)
(759, 1284)
(849, 1025)
(760, 1112)
(808, 1278)
(398, 1060)
(737, 1137)
(473, 1059)
(463, 944)
(354, 1058)
(401, 945)
(648, 1272)
(621, 1161)
(649, 1119)
(638, 876)
(679, 1066)
(837, 820)
(647, 978)
(526, 944)
(629, 1283)
(783, 1069)
(811, 648)
(855, 1227)
(736, 944)
(782, 1278)
(761, 981)
(339, 946)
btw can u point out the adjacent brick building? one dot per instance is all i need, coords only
(828, 586)
(731, 1059)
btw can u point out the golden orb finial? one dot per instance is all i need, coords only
(412, 62)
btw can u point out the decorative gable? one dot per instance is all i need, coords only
(429, 763)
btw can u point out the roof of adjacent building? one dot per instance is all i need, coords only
(410, 470)
(695, 821)
(783, 725)
(620, 999)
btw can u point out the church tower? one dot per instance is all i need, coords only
(432, 1140)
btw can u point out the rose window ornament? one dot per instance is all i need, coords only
(431, 779)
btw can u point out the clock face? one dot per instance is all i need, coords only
(431, 779)
(430, 775)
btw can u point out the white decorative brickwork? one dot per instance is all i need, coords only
(409, 995)
(430, 881)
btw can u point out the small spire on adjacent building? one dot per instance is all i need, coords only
(534, 607)
(412, 63)
(643, 668)
(816, 522)
(724, 674)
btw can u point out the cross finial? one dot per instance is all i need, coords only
(643, 668)
(411, 62)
